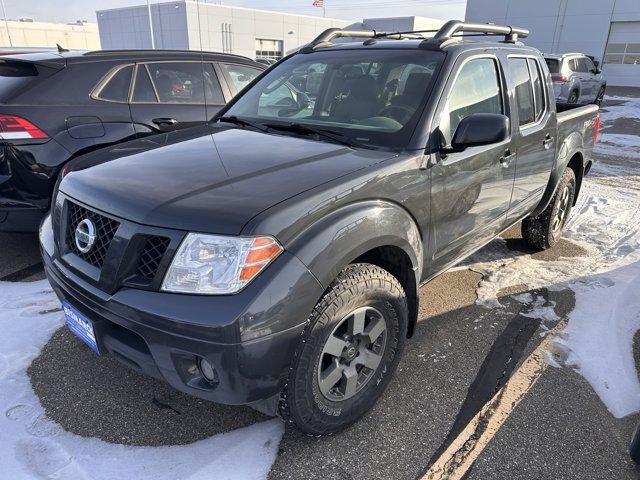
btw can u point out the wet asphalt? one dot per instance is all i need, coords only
(460, 355)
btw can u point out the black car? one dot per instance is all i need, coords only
(57, 106)
(273, 257)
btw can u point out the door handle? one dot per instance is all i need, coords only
(547, 142)
(505, 159)
(165, 122)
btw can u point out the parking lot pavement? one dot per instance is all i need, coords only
(465, 350)
(19, 256)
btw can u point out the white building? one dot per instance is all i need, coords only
(187, 24)
(27, 33)
(606, 29)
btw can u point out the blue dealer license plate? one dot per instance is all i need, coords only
(81, 326)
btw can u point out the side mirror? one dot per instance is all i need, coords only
(480, 129)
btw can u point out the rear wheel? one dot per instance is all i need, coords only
(573, 97)
(545, 230)
(349, 352)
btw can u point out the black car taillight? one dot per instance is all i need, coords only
(17, 128)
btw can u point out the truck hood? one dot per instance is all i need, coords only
(207, 179)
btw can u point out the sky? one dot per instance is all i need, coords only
(72, 10)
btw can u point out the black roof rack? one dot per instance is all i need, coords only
(442, 35)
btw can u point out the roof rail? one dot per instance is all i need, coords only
(449, 29)
(442, 35)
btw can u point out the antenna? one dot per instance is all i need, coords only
(61, 49)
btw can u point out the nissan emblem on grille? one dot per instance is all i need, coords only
(85, 235)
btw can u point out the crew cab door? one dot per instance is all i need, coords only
(471, 189)
(534, 125)
(168, 96)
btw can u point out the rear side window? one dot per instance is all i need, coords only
(476, 90)
(519, 73)
(538, 89)
(241, 75)
(553, 64)
(143, 91)
(15, 75)
(117, 87)
(178, 82)
(212, 91)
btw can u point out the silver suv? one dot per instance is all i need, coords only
(576, 79)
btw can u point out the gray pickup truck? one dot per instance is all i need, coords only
(273, 257)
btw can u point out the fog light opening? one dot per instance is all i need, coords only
(207, 370)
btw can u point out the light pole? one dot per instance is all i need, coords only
(6, 23)
(153, 45)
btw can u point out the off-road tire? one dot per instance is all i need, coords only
(538, 232)
(358, 285)
(573, 97)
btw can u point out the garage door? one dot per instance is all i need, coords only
(622, 56)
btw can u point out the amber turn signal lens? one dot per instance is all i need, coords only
(263, 251)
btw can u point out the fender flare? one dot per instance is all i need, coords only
(571, 146)
(334, 241)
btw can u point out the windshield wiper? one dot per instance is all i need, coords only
(242, 122)
(305, 129)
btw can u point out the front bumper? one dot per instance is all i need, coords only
(249, 337)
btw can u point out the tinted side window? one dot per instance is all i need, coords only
(476, 90)
(573, 65)
(524, 94)
(241, 75)
(590, 66)
(143, 89)
(178, 82)
(212, 90)
(582, 65)
(538, 90)
(117, 88)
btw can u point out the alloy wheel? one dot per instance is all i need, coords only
(352, 354)
(563, 210)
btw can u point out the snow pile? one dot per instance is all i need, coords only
(35, 447)
(598, 340)
(618, 145)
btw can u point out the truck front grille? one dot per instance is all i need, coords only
(105, 231)
(151, 256)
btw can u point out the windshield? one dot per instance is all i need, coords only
(553, 64)
(372, 97)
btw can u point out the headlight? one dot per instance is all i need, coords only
(216, 265)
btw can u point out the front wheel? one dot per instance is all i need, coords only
(349, 351)
(545, 230)
(600, 96)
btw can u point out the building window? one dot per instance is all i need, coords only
(268, 49)
(619, 53)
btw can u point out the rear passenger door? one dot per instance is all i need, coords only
(535, 129)
(168, 96)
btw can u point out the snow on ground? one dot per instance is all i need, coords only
(615, 144)
(35, 447)
(598, 340)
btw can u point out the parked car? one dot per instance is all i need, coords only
(57, 106)
(273, 257)
(266, 61)
(576, 79)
